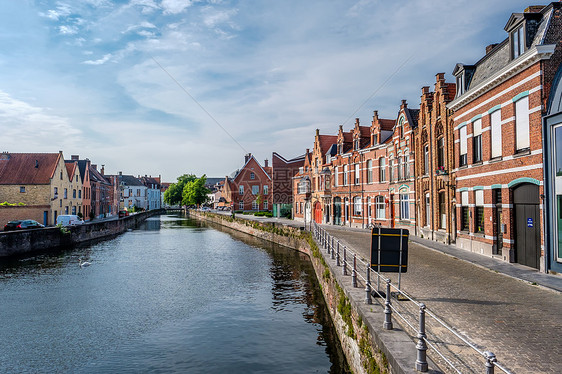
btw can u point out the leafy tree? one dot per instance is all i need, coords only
(259, 200)
(195, 192)
(174, 194)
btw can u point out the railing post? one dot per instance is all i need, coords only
(368, 299)
(387, 325)
(332, 254)
(490, 359)
(338, 255)
(354, 271)
(421, 361)
(344, 264)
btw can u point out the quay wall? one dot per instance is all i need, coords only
(367, 346)
(25, 242)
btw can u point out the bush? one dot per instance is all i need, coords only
(263, 214)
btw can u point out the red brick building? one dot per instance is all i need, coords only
(499, 140)
(250, 187)
(283, 171)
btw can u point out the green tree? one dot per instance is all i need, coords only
(174, 193)
(195, 192)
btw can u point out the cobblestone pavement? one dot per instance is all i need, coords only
(517, 321)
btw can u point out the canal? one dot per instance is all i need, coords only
(173, 296)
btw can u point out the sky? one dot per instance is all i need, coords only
(168, 87)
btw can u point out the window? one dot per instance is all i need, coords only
(356, 145)
(404, 206)
(60, 203)
(441, 153)
(336, 176)
(61, 175)
(357, 206)
(252, 175)
(460, 84)
(442, 211)
(241, 190)
(345, 175)
(477, 141)
(65, 210)
(56, 191)
(427, 210)
(22, 189)
(79, 194)
(522, 124)
(241, 205)
(73, 210)
(496, 133)
(465, 214)
(74, 194)
(479, 212)
(380, 207)
(265, 205)
(265, 189)
(255, 205)
(463, 146)
(382, 169)
(407, 167)
(426, 159)
(517, 42)
(391, 170)
(399, 168)
(255, 190)
(369, 171)
(65, 193)
(77, 178)
(357, 174)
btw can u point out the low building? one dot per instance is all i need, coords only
(250, 187)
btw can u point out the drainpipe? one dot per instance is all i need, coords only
(362, 159)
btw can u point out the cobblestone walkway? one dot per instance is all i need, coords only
(517, 321)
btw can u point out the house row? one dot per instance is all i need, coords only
(477, 164)
(42, 186)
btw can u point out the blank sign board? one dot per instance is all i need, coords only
(386, 247)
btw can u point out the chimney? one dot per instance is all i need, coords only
(440, 77)
(404, 103)
(357, 121)
(341, 127)
(317, 132)
(490, 47)
(74, 157)
(120, 173)
(425, 90)
(102, 171)
(247, 157)
(266, 162)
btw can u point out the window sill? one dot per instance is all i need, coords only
(522, 152)
(496, 159)
(477, 163)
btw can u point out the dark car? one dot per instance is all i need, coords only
(123, 213)
(22, 224)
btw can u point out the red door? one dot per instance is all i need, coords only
(318, 212)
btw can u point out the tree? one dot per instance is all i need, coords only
(174, 193)
(195, 192)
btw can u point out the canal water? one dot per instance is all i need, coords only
(173, 296)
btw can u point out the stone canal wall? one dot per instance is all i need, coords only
(367, 346)
(20, 243)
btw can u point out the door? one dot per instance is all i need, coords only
(318, 212)
(527, 229)
(337, 211)
(498, 232)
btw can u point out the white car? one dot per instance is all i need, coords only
(69, 220)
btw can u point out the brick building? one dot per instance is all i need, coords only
(498, 135)
(434, 161)
(283, 171)
(250, 187)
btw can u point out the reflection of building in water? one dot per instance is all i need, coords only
(151, 224)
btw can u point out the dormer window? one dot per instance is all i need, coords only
(517, 42)
(356, 145)
(460, 84)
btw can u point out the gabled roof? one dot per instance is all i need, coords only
(129, 180)
(28, 168)
(387, 124)
(256, 161)
(326, 142)
(71, 168)
(95, 176)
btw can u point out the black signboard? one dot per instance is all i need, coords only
(389, 250)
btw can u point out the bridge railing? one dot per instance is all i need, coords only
(451, 347)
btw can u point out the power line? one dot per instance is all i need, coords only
(379, 88)
(197, 102)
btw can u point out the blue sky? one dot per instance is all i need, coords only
(98, 78)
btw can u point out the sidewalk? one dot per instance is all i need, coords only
(508, 309)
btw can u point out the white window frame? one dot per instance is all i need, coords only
(255, 190)
(382, 169)
(477, 140)
(522, 133)
(241, 189)
(463, 143)
(357, 173)
(357, 206)
(265, 189)
(380, 207)
(404, 200)
(496, 133)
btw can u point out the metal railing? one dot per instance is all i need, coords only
(413, 318)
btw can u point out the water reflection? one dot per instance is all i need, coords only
(172, 296)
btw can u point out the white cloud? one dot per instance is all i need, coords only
(68, 30)
(23, 125)
(62, 10)
(100, 61)
(175, 6)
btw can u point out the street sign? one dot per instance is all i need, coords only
(389, 250)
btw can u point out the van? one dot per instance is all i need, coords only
(69, 220)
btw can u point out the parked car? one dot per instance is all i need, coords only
(123, 213)
(22, 224)
(69, 220)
